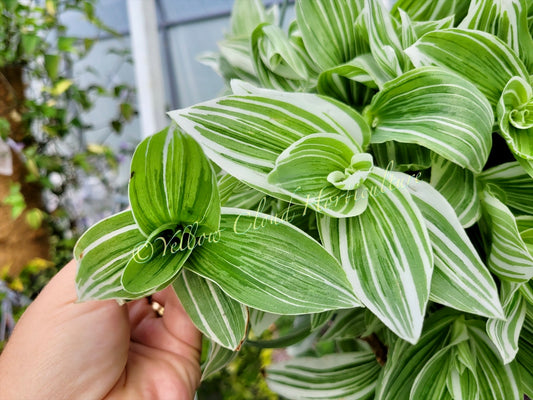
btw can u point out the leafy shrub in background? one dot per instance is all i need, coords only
(369, 177)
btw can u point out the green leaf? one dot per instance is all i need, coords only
(217, 358)
(460, 279)
(278, 63)
(506, 19)
(156, 262)
(101, 253)
(446, 177)
(391, 279)
(347, 324)
(51, 65)
(384, 42)
(401, 156)
(234, 193)
(260, 321)
(438, 110)
(327, 30)
(325, 172)
(347, 376)
(505, 333)
(266, 263)
(432, 10)
(495, 380)
(405, 361)
(172, 183)
(318, 320)
(515, 117)
(436, 371)
(236, 56)
(509, 257)
(514, 183)
(217, 316)
(490, 70)
(524, 358)
(246, 15)
(244, 134)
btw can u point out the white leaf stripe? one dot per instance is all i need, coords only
(262, 268)
(102, 253)
(217, 358)
(347, 376)
(220, 318)
(509, 257)
(396, 288)
(505, 333)
(438, 110)
(446, 177)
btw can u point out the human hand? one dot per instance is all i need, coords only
(100, 350)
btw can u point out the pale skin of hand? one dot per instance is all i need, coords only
(61, 349)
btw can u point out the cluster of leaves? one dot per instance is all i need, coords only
(370, 175)
(34, 38)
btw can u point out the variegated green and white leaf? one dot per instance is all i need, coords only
(327, 30)
(527, 292)
(319, 319)
(524, 358)
(347, 376)
(431, 10)
(217, 358)
(396, 156)
(234, 193)
(431, 381)
(325, 172)
(277, 63)
(268, 264)
(436, 109)
(515, 117)
(509, 257)
(172, 182)
(460, 279)
(506, 19)
(505, 333)
(391, 279)
(384, 42)
(101, 253)
(236, 59)
(495, 380)
(490, 70)
(217, 316)
(405, 361)
(514, 183)
(247, 14)
(245, 134)
(347, 324)
(260, 321)
(446, 177)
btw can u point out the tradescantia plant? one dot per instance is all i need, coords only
(371, 175)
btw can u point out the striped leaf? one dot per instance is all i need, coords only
(446, 177)
(432, 380)
(278, 64)
(246, 15)
(524, 223)
(325, 172)
(527, 292)
(405, 361)
(515, 117)
(234, 193)
(236, 59)
(490, 70)
(509, 257)
(345, 82)
(390, 278)
(318, 320)
(217, 316)
(396, 156)
(346, 376)
(524, 358)
(266, 263)
(460, 279)
(438, 110)
(431, 10)
(327, 30)
(101, 253)
(506, 19)
(245, 134)
(505, 333)
(172, 182)
(347, 324)
(495, 380)
(384, 42)
(260, 321)
(217, 358)
(514, 183)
